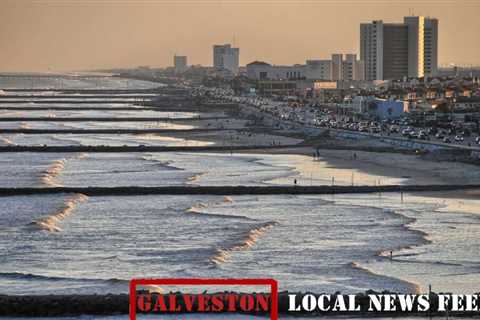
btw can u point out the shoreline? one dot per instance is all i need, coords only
(397, 164)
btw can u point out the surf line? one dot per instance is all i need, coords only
(50, 222)
(49, 176)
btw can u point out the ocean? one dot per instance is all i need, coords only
(71, 243)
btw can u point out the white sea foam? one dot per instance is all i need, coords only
(50, 222)
(248, 241)
(49, 176)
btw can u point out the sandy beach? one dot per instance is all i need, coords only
(356, 167)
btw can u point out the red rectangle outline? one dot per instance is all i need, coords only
(210, 281)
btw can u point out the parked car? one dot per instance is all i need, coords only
(422, 136)
(447, 140)
(393, 129)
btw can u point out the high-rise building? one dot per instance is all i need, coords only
(180, 63)
(431, 46)
(397, 50)
(371, 49)
(416, 43)
(337, 65)
(352, 69)
(226, 57)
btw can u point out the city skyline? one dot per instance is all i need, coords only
(90, 35)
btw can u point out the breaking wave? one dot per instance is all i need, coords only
(196, 177)
(410, 287)
(249, 240)
(6, 141)
(31, 276)
(164, 164)
(197, 209)
(202, 205)
(48, 177)
(392, 253)
(50, 223)
(24, 125)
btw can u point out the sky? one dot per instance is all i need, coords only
(74, 35)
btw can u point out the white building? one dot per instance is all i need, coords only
(335, 69)
(226, 57)
(319, 69)
(352, 69)
(397, 50)
(260, 70)
(180, 64)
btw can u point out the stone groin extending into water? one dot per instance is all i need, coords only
(140, 148)
(233, 190)
(118, 304)
(105, 119)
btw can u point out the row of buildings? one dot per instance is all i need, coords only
(388, 51)
(225, 58)
(339, 67)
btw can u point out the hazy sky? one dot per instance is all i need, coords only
(42, 35)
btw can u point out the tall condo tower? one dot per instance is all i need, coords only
(397, 50)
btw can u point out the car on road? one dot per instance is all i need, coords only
(422, 136)
(375, 130)
(447, 140)
(458, 138)
(393, 129)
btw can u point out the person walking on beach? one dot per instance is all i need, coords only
(295, 182)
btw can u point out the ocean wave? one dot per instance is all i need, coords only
(193, 179)
(198, 209)
(24, 125)
(411, 287)
(250, 239)
(386, 253)
(31, 276)
(164, 164)
(6, 141)
(48, 177)
(50, 222)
